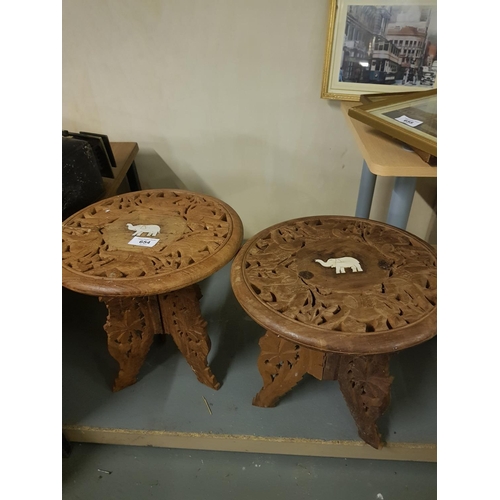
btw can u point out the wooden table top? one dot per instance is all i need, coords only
(197, 236)
(387, 306)
(384, 155)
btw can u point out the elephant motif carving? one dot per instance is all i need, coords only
(341, 263)
(149, 229)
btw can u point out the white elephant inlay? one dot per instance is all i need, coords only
(341, 263)
(150, 229)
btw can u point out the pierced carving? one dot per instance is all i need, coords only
(95, 241)
(364, 380)
(195, 236)
(131, 325)
(397, 287)
(282, 365)
(365, 384)
(133, 321)
(181, 316)
(286, 278)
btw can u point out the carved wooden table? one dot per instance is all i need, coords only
(339, 322)
(150, 290)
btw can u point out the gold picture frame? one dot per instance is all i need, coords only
(411, 118)
(379, 46)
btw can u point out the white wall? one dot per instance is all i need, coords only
(223, 98)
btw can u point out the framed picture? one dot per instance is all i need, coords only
(411, 118)
(380, 46)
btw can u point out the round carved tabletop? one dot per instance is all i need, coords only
(378, 296)
(192, 236)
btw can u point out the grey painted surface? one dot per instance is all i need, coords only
(401, 201)
(365, 193)
(168, 397)
(138, 473)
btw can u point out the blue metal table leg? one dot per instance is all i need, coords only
(365, 194)
(401, 200)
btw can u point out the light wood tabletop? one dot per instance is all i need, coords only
(384, 155)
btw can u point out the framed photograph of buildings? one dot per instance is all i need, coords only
(380, 46)
(410, 118)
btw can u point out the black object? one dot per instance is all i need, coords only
(133, 178)
(66, 447)
(82, 183)
(107, 145)
(101, 148)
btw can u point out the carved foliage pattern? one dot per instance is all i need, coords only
(282, 364)
(181, 316)
(131, 325)
(206, 228)
(364, 380)
(407, 290)
(365, 384)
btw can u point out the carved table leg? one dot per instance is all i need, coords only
(282, 364)
(181, 316)
(365, 384)
(131, 325)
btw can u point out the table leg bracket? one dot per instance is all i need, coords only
(364, 379)
(132, 323)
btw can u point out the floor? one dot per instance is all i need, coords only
(107, 472)
(168, 398)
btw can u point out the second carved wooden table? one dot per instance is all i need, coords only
(143, 254)
(337, 296)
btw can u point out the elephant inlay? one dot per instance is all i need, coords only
(341, 263)
(150, 229)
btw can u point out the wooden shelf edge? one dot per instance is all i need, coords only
(361, 132)
(125, 153)
(414, 452)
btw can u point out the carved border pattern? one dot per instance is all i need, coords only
(409, 290)
(85, 249)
